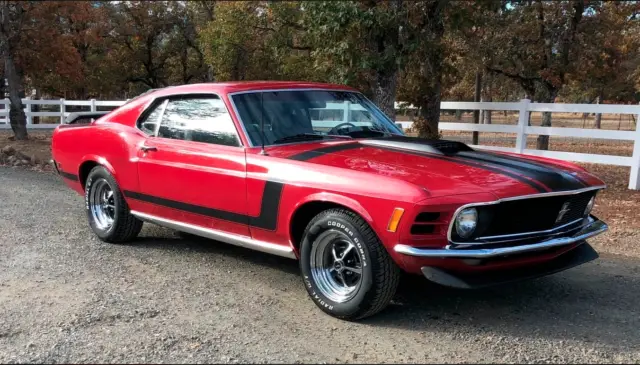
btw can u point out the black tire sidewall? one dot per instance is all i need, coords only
(357, 304)
(95, 175)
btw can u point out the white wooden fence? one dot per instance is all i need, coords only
(62, 113)
(521, 130)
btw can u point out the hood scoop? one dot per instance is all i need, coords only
(440, 147)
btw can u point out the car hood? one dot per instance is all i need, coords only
(445, 167)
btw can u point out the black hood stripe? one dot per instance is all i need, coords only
(540, 164)
(554, 180)
(307, 155)
(498, 170)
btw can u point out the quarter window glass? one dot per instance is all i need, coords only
(150, 122)
(200, 120)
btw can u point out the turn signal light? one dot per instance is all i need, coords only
(395, 219)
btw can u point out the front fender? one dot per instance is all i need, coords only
(334, 198)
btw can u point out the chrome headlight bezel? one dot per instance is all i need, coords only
(466, 222)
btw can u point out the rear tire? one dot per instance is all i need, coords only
(107, 211)
(347, 271)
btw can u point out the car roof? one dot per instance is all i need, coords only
(241, 86)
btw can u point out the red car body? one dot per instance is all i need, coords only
(264, 200)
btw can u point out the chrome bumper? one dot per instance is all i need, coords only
(594, 228)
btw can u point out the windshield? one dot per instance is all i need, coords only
(300, 115)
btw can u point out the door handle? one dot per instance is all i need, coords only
(148, 148)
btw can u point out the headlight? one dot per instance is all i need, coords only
(592, 202)
(466, 222)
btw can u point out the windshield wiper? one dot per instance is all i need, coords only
(306, 137)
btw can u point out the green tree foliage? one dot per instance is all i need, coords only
(257, 40)
(419, 52)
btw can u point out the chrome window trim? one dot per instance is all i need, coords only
(159, 121)
(244, 130)
(521, 197)
(170, 96)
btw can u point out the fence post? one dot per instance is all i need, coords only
(93, 105)
(27, 111)
(62, 111)
(7, 108)
(634, 176)
(346, 112)
(523, 121)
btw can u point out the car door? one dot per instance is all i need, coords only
(192, 167)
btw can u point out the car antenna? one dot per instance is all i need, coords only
(262, 151)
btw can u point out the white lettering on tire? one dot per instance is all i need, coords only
(356, 240)
(315, 296)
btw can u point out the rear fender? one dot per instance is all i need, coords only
(100, 160)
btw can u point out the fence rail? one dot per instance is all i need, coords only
(521, 129)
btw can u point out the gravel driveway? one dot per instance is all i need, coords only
(66, 297)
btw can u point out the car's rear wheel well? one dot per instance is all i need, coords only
(85, 169)
(304, 214)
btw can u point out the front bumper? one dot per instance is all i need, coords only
(593, 228)
(577, 256)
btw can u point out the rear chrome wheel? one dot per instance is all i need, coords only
(102, 204)
(336, 266)
(108, 212)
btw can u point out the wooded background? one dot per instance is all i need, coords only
(420, 52)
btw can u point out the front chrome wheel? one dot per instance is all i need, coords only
(336, 266)
(102, 204)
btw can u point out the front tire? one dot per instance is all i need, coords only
(346, 270)
(108, 212)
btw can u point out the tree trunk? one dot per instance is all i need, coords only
(17, 117)
(430, 116)
(543, 141)
(384, 93)
(599, 115)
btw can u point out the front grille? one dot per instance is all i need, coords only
(528, 215)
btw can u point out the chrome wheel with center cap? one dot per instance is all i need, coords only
(346, 270)
(336, 266)
(102, 204)
(108, 212)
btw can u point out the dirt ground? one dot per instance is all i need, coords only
(66, 297)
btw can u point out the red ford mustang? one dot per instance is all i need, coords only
(316, 172)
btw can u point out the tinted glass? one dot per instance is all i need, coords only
(200, 120)
(288, 114)
(149, 123)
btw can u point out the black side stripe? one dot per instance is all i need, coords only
(69, 176)
(307, 155)
(553, 179)
(531, 162)
(267, 219)
(534, 184)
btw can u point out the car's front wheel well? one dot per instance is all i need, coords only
(304, 214)
(85, 169)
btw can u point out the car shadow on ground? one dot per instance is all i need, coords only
(181, 241)
(591, 302)
(584, 303)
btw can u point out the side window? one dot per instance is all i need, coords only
(149, 123)
(200, 120)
